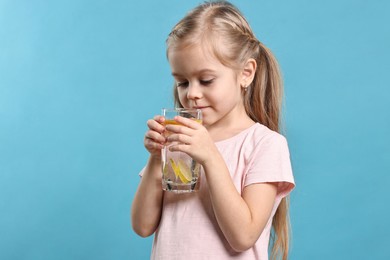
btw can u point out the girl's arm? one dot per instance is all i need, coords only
(147, 203)
(241, 218)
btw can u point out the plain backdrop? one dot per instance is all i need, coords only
(80, 78)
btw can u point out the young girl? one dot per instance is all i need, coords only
(221, 68)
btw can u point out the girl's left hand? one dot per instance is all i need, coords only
(193, 139)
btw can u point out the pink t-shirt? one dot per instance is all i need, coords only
(188, 228)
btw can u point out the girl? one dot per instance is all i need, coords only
(221, 68)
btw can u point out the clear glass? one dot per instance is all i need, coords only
(180, 173)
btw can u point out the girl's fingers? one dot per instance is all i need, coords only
(155, 136)
(189, 122)
(180, 138)
(154, 139)
(186, 127)
(178, 129)
(159, 119)
(156, 124)
(152, 145)
(179, 148)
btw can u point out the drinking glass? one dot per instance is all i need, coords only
(180, 173)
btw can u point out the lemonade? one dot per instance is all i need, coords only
(180, 172)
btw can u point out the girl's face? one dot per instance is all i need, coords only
(203, 82)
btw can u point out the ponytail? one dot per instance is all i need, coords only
(281, 231)
(263, 104)
(264, 98)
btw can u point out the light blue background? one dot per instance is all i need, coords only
(79, 79)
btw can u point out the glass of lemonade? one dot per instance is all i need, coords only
(180, 173)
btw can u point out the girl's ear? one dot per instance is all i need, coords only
(248, 73)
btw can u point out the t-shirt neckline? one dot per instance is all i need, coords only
(245, 131)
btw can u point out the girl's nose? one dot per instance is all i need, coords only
(194, 92)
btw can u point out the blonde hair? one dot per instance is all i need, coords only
(219, 23)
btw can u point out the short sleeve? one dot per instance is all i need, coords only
(270, 162)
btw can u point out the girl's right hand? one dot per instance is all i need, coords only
(154, 139)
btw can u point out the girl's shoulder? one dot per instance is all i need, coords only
(261, 137)
(255, 135)
(261, 132)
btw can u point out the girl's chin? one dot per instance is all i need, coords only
(205, 123)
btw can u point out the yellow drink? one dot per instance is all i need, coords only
(174, 122)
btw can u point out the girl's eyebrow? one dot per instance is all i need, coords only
(197, 73)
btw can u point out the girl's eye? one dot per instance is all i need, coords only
(182, 84)
(206, 82)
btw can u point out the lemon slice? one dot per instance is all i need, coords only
(181, 170)
(185, 170)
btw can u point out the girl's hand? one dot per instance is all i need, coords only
(154, 139)
(193, 139)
